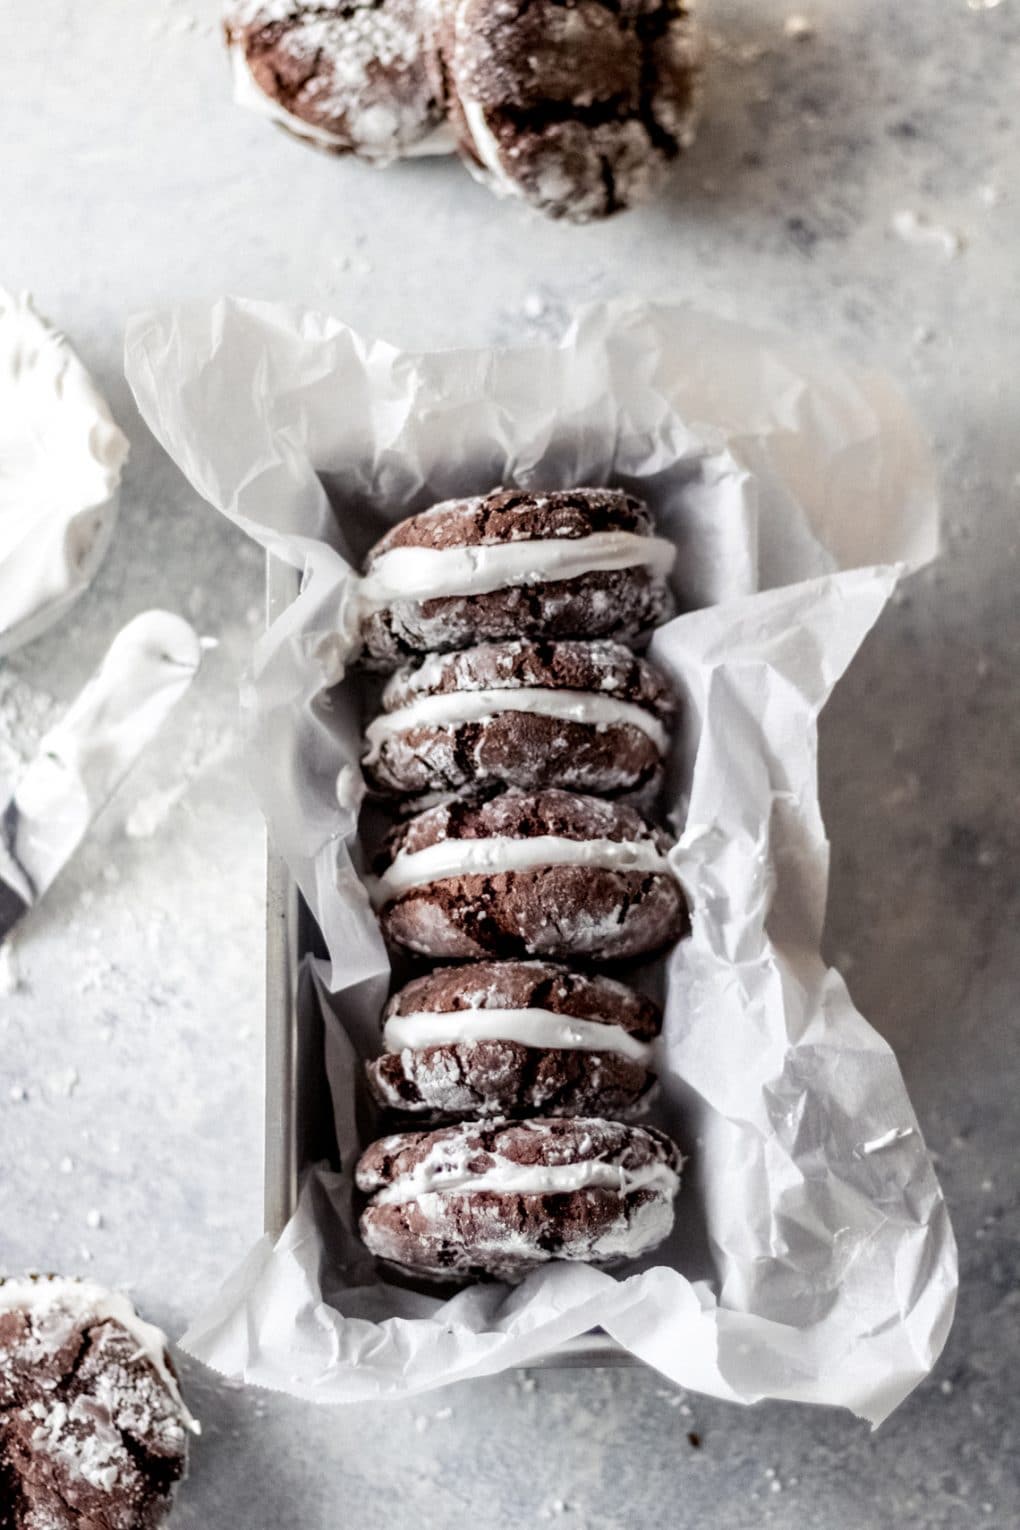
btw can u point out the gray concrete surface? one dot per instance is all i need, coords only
(127, 180)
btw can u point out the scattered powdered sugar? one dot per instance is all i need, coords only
(917, 228)
(63, 1082)
(147, 815)
(80, 1439)
(198, 758)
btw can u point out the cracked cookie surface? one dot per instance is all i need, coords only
(349, 76)
(93, 1431)
(577, 106)
(557, 875)
(588, 717)
(582, 563)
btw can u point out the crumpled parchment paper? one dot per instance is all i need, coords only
(813, 1258)
(61, 457)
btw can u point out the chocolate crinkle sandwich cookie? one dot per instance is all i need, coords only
(349, 77)
(579, 563)
(93, 1430)
(548, 874)
(579, 107)
(515, 1038)
(589, 717)
(500, 1199)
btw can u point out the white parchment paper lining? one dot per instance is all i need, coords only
(818, 1259)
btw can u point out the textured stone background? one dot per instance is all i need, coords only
(127, 180)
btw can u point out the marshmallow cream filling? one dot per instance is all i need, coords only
(485, 143)
(434, 573)
(528, 1027)
(444, 1176)
(452, 708)
(490, 857)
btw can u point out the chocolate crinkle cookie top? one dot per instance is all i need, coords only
(576, 106)
(609, 668)
(522, 815)
(93, 1430)
(518, 515)
(349, 75)
(528, 985)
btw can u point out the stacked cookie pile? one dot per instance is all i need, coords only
(522, 743)
(578, 107)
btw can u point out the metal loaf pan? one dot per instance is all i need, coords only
(298, 1118)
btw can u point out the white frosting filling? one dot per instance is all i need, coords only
(490, 857)
(528, 1027)
(453, 1176)
(55, 1305)
(61, 457)
(486, 145)
(248, 93)
(451, 708)
(432, 573)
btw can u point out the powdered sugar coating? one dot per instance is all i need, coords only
(350, 76)
(604, 667)
(526, 815)
(504, 1078)
(579, 563)
(548, 874)
(92, 1425)
(472, 1148)
(578, 107)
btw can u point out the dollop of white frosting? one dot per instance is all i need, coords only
(528, 1027)
(61, 457)
(442, 1175)
(432, 573)
(448, 709)
(491, 857)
